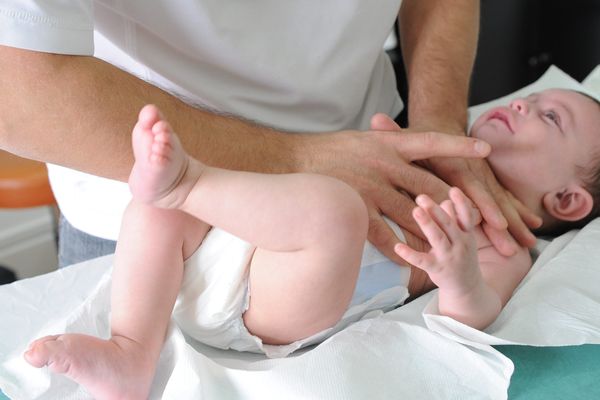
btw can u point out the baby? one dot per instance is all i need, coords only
(297, 270)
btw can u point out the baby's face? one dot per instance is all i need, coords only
(539, 141)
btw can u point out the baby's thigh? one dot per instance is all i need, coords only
(294, 295)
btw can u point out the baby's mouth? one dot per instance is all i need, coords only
(501, 117)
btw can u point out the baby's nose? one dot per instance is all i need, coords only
(520, 106)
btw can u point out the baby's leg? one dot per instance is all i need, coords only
(148, 269)
(309, 230)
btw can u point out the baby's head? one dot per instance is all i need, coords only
(546, 152)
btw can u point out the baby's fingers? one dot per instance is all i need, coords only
(466, 214)
(434, 234)
(448, 207)
(444, 223)
(420, 260)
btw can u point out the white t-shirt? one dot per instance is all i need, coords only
(295, 65)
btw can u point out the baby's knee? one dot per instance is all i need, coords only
(349, 213)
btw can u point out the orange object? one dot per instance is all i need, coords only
(23, 183)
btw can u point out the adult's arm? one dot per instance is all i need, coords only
(78, 111)
(439, 40)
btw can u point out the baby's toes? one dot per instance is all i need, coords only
(161, 152)
(38, 353)
(161, 127)
(148, 116)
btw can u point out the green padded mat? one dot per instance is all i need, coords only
(570, 372)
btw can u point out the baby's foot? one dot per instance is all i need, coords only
(160, 175)
(118, 368)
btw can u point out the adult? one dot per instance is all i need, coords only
(288, 66)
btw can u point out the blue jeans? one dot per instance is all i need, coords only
(75, 246)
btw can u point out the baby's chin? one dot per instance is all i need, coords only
(476, 126)
(472, 133)
(479, 126)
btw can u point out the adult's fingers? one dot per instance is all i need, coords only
(382, 236)
(490, 196)
(500, 239)
(489, 208)
(491, 201)
(517, 227)
(466, 214)
(416, 180)
(413, 146)
(382, 122)
(531, 219)
(508, 233)
(397, 206)
(514, 223)
(520, 220)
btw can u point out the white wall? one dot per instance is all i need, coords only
(27, 241)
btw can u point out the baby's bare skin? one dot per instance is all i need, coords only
(156, 237)
(121, 367)
(118, 368)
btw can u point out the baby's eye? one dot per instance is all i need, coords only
(552, 116)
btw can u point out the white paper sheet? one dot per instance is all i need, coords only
(375, 357)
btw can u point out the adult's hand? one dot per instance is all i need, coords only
(505, 216)
(380, 166)
(502, 213)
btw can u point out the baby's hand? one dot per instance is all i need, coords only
(451, 263)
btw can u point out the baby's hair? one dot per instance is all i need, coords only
(591, 178)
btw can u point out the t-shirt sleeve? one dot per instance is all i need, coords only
(52, 26)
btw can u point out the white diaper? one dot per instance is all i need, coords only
(215, 294)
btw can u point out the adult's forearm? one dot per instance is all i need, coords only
(79, 111)
(439, 40)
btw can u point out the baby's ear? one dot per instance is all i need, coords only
(571, 203)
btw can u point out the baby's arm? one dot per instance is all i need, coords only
(474, 280)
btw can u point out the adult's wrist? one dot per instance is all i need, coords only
(456, 124)
(308, 150)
